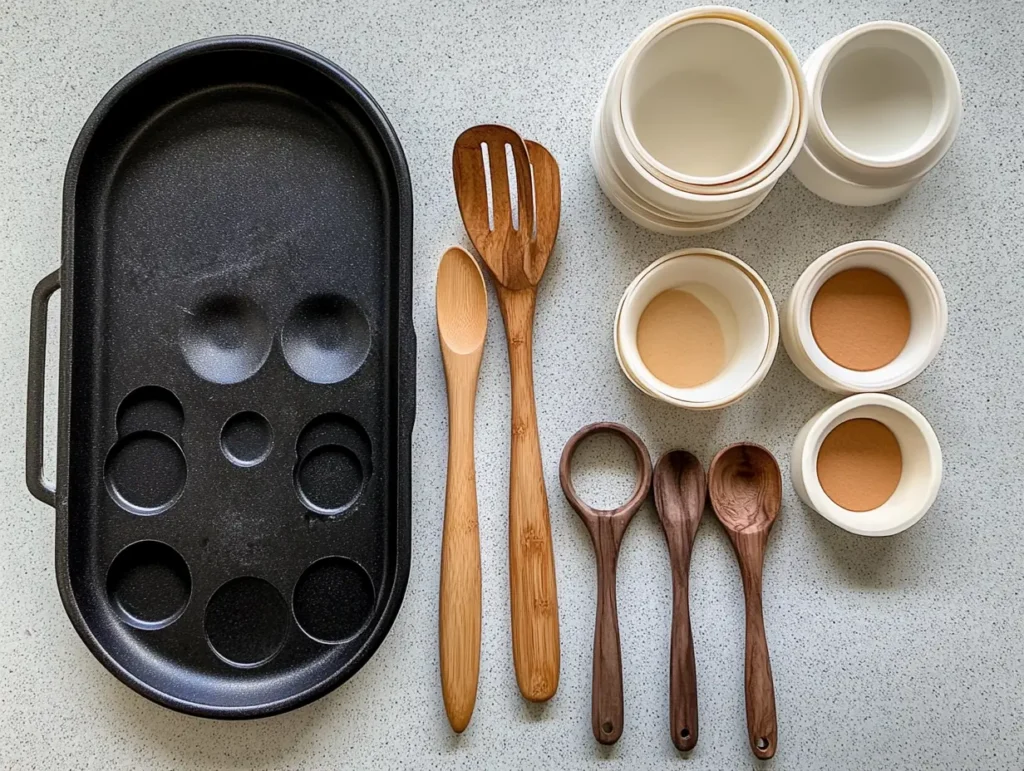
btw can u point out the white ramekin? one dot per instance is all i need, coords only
(922, 464)
(928, 314)
(753, 306)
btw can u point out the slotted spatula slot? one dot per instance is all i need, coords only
(510, 171)
(487, 186)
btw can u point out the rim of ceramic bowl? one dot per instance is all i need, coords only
(661, 224)
(951, 97)
(608, 177)
(769, 146)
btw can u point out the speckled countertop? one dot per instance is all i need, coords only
(903, 652)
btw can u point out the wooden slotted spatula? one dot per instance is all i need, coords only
(516, 253)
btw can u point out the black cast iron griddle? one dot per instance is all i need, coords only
(237, 379)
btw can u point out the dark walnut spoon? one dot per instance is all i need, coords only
(680, 489)
(745, 486)
(606, 528)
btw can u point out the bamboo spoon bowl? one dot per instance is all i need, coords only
(461, 331)
(680, 491)
(606, 528)
(745, 486)
(516, 253)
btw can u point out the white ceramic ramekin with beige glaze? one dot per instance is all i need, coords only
(922, 464)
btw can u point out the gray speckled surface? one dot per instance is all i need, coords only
(894, 653)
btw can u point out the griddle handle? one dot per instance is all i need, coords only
(37, 485)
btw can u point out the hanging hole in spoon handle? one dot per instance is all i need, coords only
(606, 528)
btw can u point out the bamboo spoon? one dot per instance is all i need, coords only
(680, 488)
(745, 485)
(461, 329)
(606, 528)
(516, 255)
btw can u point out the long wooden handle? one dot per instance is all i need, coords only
(683, 719)
(460, 609)
(606, 707)
(762, 727)
(535, 647)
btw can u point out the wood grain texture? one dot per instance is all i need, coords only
(745, 486)
(606, 528)
(462, 327)
(680, 488)
(516, 258)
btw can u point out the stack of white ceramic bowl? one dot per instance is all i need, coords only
(743, 306)
(699, 119)
(925, 299)
(885, 107)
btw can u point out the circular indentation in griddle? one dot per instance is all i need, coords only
(226, 338)
(145, 472)
(334, 463)
(246, 439)
(325, 339)
(333, 599)
(150, 408)
(246, 621)
(329, 479)
(149, 584)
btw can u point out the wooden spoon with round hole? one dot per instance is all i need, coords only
(461, 330)
(745, 486)
(516, 253)
(606, 528)
(680, 489)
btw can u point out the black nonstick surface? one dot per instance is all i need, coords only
(237, 384)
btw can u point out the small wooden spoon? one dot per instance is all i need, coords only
(606, 528)
(680, 488)
(745, 485)
(516, 255)
(461, 329)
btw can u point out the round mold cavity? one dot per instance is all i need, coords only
(149, 585)
(145, 472)
(246, 622)
(334, 463)
(325, 339)
(329, 479)
(226, 338)
(246, 439)
(150, 408)
(333, 600)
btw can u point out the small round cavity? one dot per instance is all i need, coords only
(149, 585)
(145, 472)
(333, 600)
(150, 408)
(325, 339)
(246, 622)
(329, 479)
(226, 338)
(246, 439)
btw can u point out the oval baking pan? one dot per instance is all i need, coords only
(237, 379)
